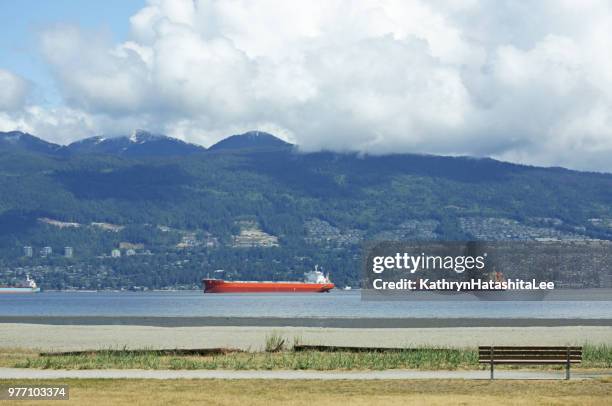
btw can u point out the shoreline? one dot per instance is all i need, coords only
(326, 322)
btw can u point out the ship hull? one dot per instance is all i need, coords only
(221, 286)
(18, 290)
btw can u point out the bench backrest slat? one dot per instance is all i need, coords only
(507, 354)
(541, 353)
(527, 348)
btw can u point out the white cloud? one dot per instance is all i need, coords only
(530, 82)
(13, 91)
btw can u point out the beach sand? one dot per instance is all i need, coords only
(81, 337)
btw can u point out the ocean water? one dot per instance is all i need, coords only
(335, 304)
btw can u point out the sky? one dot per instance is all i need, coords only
(527, 82)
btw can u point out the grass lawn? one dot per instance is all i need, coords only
(273, 392)
(595, 357)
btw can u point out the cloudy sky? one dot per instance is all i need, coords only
(527, 82)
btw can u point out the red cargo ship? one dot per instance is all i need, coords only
(314, 282)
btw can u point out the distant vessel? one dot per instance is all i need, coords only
(28, 286)
(314, 282)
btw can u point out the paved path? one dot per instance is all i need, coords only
(22, 373)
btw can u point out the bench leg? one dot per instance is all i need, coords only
(567, 365)
(491, 357)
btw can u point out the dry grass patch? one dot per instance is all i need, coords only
(10, 356)
(273, 392)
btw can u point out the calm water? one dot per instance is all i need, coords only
(335, 304)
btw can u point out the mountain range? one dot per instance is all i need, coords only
(139, 143)
(145, 178)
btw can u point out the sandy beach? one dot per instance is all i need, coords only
(80, 337)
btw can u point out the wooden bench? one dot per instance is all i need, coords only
(530, 356)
